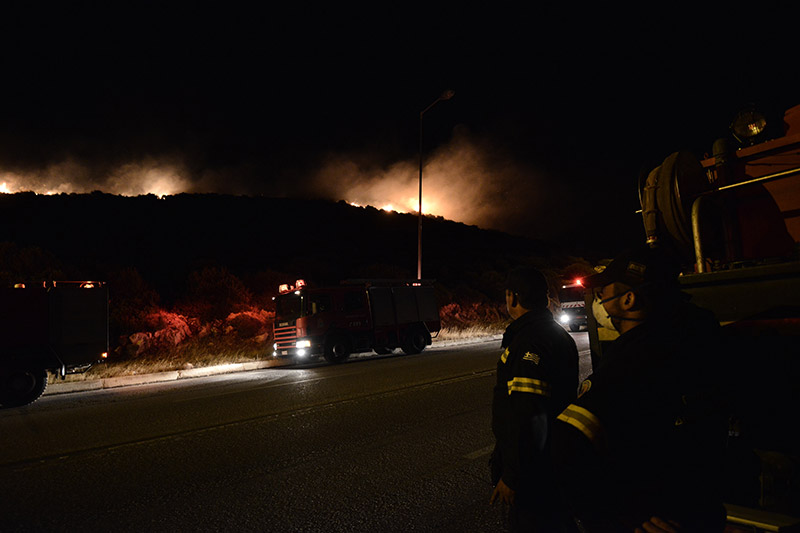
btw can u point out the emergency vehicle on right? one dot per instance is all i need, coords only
(733, 218)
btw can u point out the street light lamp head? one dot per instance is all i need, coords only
(448, 94)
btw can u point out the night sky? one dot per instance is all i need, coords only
(556, 111)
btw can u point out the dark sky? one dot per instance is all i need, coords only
(563, 107)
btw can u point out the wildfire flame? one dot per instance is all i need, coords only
(460, 182)
(161, 178)
(465, 181)
(411, 206)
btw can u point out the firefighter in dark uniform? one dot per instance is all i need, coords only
(537, 377)
(641, 448)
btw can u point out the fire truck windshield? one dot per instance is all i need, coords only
(289, 306)
(297, 304)
(571, 294)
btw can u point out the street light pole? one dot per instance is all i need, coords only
(447, 95)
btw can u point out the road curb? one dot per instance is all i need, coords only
(66, 387)
(474, 340)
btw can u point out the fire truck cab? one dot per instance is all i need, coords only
(356, 316)
(572, 308)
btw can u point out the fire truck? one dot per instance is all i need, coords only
(58, 327)
(572, 308)
(734, 220)
(356, 316)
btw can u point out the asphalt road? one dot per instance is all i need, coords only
(396, 443)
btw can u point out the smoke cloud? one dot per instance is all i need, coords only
(159, 176)
(467, 180)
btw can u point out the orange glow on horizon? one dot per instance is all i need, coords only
(150, 176)
(465, 181)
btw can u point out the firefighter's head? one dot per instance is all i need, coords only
(637, 284)
(526, 289)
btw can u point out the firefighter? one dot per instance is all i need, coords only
(641, 447)
(537, 377)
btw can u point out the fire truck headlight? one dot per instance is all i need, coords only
(564, 318)
(301, 352)
(304, 344)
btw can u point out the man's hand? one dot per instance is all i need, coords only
(657, 525)
(502, 493)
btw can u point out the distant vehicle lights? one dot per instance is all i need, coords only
(577, 282)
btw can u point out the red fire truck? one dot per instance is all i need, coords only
(60, 327)
(356, 316)
(735, 219)
(572, 308)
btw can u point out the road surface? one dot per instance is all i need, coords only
(395, 443)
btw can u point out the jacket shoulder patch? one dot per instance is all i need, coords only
(533, 357)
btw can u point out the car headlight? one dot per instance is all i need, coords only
(564, 318)
(304, 344)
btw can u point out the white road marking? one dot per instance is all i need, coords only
(480, 453)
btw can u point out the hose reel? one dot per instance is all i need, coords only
(666, 197)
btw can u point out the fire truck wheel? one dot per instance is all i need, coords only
(337, 349)
(22, 387)
(574, 327)
(415, 342)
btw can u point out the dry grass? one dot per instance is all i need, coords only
(195, 353)
(469, 332)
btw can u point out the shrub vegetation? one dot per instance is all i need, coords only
(197, 290)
